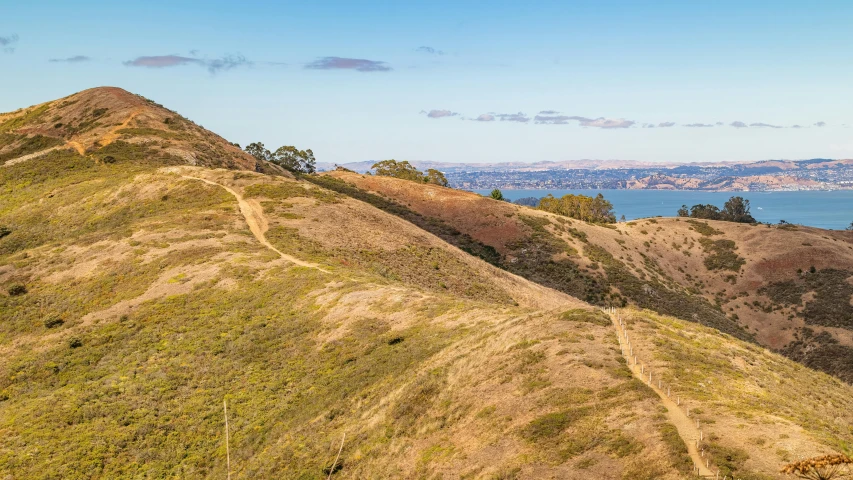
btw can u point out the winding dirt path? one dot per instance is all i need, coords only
(675, 414)
(113, 134)
(254, 215)
(76, 146)
(31, 156)
(107, 139)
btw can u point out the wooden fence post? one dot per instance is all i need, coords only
(227, 440)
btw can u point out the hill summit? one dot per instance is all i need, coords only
(91, 120)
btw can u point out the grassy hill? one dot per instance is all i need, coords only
(93, 119)
(139, 293)
(788, 288)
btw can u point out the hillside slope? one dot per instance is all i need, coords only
(755, 409)
(137, 295)
(96, 118)
(788, 288)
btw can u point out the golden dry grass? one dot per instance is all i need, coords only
(651, 260)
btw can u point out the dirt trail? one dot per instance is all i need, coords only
(77, 146)
(107, 139)
(254, 215)
(9, 163)
(113, 134)
(675, 414)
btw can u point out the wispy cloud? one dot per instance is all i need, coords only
(162, 61)
(513, 117)
(554, 117)
(341, 63)
(551, 119)
(74, 59)
(214, 66)
(602, 122)
(229, 62)
(599, 122)
(429, 50)
(439, 113)
(7, 43)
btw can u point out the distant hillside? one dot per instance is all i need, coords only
(813, 174)
(749, 281)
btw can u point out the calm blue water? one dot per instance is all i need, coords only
(833, 210)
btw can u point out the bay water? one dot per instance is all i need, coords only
(822, 209)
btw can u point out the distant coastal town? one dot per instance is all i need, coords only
(829, 175)
(818, 174)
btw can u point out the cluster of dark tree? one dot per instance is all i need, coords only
(289, 157)
(528, 201)
(736, 209)
(407, 171)
(589, 209)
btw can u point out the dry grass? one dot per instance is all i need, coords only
(709, 272)
(168, 304)
(755, 406)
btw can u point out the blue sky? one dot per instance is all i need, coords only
(446, 81)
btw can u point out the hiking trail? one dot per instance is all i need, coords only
(686, 426)
(254, 215)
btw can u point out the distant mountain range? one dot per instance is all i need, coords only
(811, 174)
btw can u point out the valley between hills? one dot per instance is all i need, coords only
(360, 326)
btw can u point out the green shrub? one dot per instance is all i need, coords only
(677, 450)
(729, 460)
(595, 317)
(721, 255)
(53, 322)
(16, 290)
(702, 228)
(551, 425)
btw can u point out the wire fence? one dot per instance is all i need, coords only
(669, 391)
